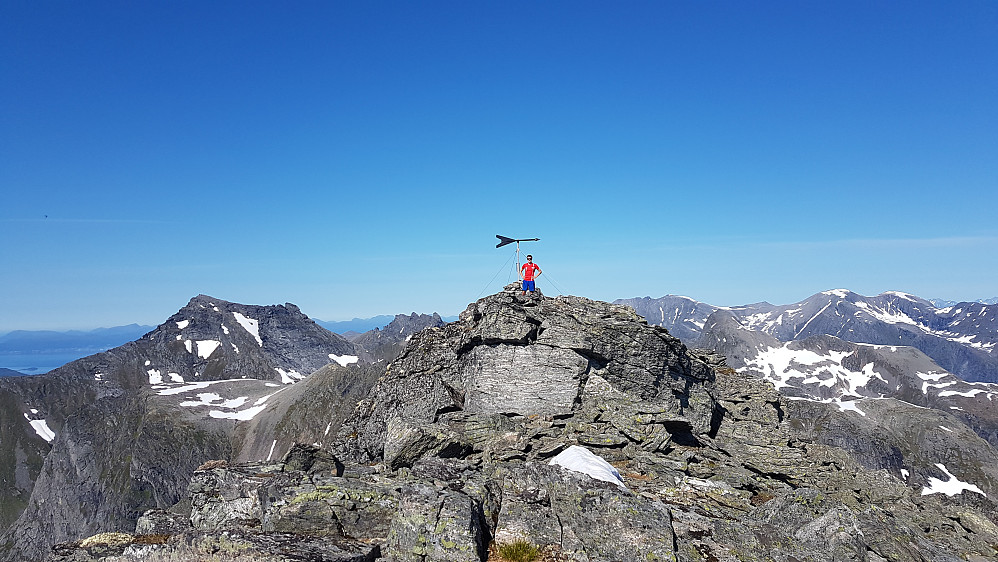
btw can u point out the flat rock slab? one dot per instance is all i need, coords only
(524, 380)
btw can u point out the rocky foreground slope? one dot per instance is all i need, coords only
(449, 457)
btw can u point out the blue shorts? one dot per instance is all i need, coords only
(528, 285)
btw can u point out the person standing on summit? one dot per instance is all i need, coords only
(528, 272)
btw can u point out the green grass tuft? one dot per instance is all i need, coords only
(518, 551)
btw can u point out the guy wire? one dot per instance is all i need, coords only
(494, 277)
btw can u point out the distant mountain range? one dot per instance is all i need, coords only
(34, 352)
(48, 341)
(960, 338)
(358, 325)
(941, 303)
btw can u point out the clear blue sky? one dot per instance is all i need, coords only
(358, 158)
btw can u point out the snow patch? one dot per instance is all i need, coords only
(780, 365)
(841, 293)
(241, 415)
(289, 377)
(195, 386)
(250, 325)
(43, 430)
(271, 453)
(225, 330)
(41, 427)
(183, 324)
(905, 473)
(931, 380)
(155, 376)
(580, 459)
(189, 345)
(206, 347)
(344, 360)
(951, 487)
(210, 399)
(842, 405)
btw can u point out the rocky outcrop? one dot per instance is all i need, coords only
(529, 356)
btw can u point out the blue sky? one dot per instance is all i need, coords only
(358, 158)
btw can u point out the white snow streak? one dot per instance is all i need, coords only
(344, 360)
(183, 324)
(242, 415)
(812, 319)
(41, 427)
(250, 325)
(951, 487)
(289, 377)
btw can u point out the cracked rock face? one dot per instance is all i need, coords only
(531, 356)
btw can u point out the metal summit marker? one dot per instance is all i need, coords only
(503, 240)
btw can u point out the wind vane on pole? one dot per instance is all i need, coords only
(503, 240)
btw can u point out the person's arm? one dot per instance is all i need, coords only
(537, 271)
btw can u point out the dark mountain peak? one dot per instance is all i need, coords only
(385, 344)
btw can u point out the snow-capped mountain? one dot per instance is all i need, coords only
(682, 316)
(960, 338)
(125, 428)
(849, 375)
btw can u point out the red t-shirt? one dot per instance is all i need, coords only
(528, 271)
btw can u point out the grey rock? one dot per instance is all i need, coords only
(437, 524)
(162, 522)
(586, 519)
(528, 356)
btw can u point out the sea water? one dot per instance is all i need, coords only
(38, 363)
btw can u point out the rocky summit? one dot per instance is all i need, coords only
(569, 429)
